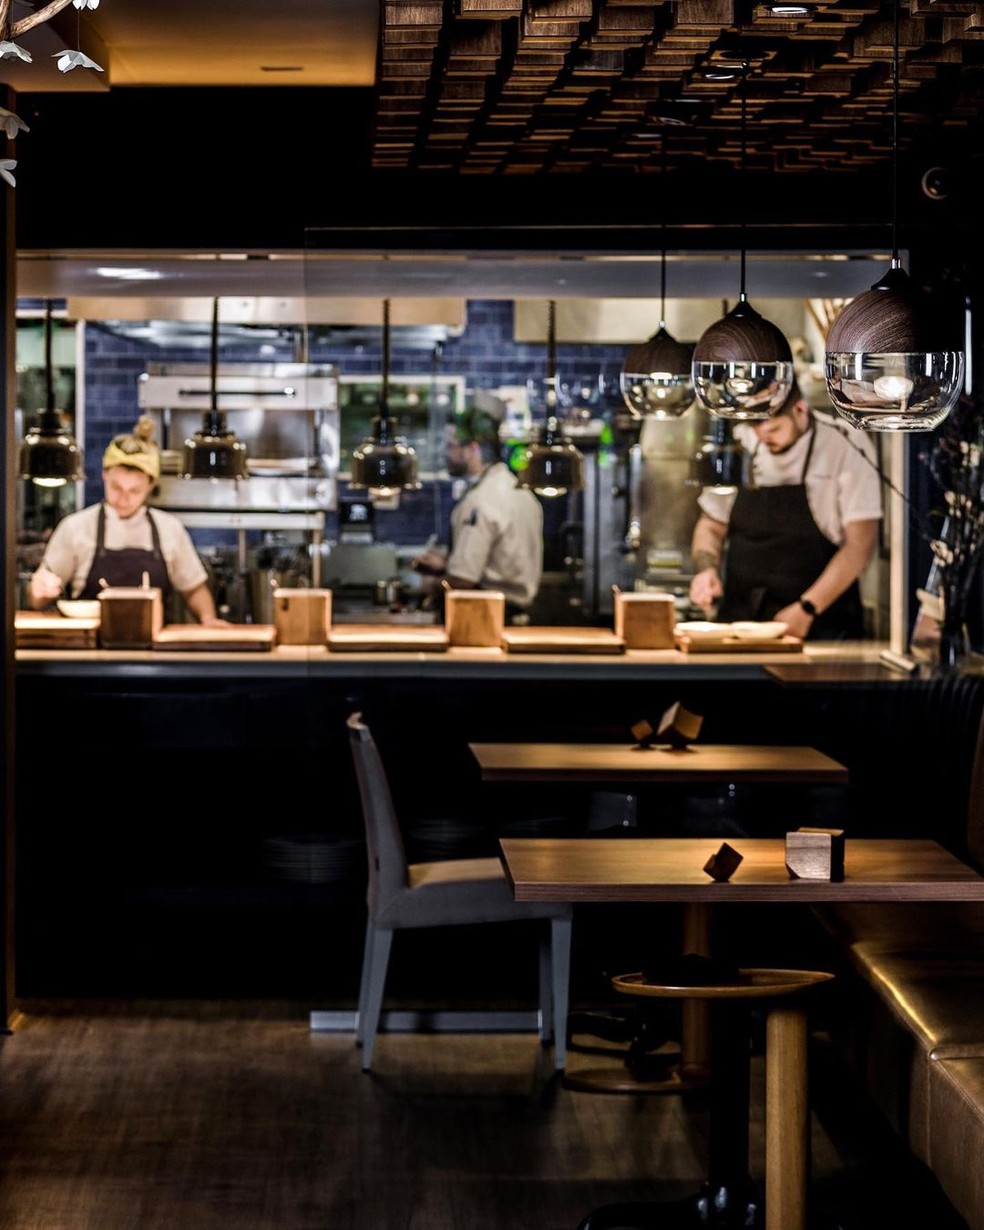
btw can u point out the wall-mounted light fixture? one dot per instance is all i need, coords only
(49, 454)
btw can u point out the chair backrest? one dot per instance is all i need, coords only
(384, 842)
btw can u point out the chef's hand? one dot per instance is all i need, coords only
(45, 585)
(430, 563)
(797, 621)
(706, 588)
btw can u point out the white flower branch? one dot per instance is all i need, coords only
(10, 123)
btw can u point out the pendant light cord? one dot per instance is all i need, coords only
(384, 387)
(213, 370)
(553, 394)
(743, 177)
(49, 371)
(895, 135)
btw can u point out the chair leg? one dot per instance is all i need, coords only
(560, 947)
(378, 944)
(364, 978)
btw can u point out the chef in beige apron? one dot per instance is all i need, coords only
(120, 541)
(496, 527)
(793, 541)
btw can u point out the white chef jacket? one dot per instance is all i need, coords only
(842, 482)
(497, 536)
(72, 546)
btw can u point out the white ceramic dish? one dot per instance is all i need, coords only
(752, 630)
(79, 608)
(704, 630)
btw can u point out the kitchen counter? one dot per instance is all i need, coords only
(838, 660)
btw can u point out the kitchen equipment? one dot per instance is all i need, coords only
(388, 593)
(131, 616)
(302, 616)
(474, 616)
(232, 638)
(645, 620)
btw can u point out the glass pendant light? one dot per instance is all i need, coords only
(214, 451)
(743, 365)
(656, 379)
(553, 466)
(891, 362)
(49, 454)
(384, 463)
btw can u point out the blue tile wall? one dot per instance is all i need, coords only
(485, 355)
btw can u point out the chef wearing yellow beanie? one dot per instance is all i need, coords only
(121, 541)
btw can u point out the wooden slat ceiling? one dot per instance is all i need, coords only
(521, 87)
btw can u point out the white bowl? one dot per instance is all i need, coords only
(753, 630)
(703, 629)
(79, 608)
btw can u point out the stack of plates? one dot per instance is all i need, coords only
(315, 858)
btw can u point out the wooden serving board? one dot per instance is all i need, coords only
(381, 638)
(36, 630)
(237, 637)
(734, 644)
(561, 640)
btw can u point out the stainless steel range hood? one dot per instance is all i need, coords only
(286, 414)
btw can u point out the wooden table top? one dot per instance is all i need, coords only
(623, 762)
(671, 869)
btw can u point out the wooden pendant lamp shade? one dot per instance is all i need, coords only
(893, 362)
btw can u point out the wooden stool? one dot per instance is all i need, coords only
(728, 1198)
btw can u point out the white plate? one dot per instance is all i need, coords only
(79, 608)
(700, 629)
(764, 630)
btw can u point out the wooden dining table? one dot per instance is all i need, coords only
(671, 869)
(625, 762)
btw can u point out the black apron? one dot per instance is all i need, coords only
(127, 565)
(776, 551)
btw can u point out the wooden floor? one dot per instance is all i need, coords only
(188, 1115)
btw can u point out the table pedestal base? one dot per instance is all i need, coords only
(728, 1200)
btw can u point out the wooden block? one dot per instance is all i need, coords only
(302, 616)
(815, 854)
(645, 621)
(722, 865)
(130, 617)
(643, 733)
(678, 726)
(474, 616)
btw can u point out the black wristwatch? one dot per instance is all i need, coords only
(808, 606)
